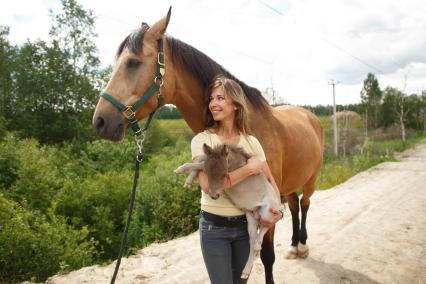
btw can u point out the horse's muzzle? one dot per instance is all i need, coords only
(109, 127)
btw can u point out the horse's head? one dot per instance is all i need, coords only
(139, 63)
(216, 168)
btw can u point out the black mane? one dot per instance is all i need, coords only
(196, 63)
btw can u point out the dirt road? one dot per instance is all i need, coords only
(370, 229)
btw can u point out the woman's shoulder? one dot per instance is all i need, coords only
(205, 133)
(202, 136)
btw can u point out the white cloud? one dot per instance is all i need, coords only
(296, 52)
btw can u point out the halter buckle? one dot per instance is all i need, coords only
(129, 113)
(158, 58)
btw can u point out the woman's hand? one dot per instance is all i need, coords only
(277, 215)
(254, 165)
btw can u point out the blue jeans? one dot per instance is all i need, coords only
(225, 251)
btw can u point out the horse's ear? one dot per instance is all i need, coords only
(206, 148)
(159, 28)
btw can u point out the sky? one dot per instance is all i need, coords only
(296, 47)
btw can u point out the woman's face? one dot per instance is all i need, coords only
(221, 106)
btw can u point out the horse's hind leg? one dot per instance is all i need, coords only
(267, 255)
(308, 190)
(293, 204)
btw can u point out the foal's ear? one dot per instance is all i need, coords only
(159, 28)
(207, 149)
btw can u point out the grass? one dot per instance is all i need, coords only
(177, 127)
(338, 170)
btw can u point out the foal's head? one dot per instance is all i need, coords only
(216, 168)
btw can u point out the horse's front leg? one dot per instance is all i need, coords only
(252, 224)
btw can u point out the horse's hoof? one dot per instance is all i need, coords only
(244, 275)
(291, 253)
(302, 250)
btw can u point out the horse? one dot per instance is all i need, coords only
(292, 137)
(255, 195)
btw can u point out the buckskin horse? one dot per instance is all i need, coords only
(149, 61)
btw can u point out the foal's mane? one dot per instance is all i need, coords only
(199, 65)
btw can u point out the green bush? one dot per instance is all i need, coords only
(38, 178)
(98, 202)
(35, 246)
(164, 209)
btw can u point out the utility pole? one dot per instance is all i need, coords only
(333, 83)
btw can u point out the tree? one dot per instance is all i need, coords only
(371, 97)
(73, 32)
(398, 102)
(423, 110)
(49, 88)
(7, 54)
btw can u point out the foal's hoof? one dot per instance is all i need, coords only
(291, 253)
(179, 170)
(302, 250)
(244, 275)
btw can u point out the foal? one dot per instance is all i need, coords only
(255, 195)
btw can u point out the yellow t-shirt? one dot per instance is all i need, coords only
(223, 205)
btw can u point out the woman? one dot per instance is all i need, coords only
(223, 226)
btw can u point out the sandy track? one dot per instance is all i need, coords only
(370, 229)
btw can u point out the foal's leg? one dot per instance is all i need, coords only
(259, 240)
(189, 167)
(267, 255)
(194, 168)
(308, 190)
(252, 224)
(190, 179)
(293, 204)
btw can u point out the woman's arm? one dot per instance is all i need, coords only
(202, 177)
(253, 167)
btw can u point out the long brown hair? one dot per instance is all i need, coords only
(234, 91)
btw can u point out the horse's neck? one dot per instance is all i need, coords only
(188, 98)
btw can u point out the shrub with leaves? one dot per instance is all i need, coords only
(35, 246)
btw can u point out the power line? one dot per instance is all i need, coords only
(270, 7)
(336, 46)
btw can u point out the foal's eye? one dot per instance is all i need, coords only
(133, 63)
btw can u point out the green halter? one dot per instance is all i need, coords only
(129, 112)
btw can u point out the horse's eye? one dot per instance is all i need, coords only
(133, 63)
